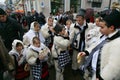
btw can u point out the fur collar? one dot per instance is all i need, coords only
(85, 26)
(114, 36)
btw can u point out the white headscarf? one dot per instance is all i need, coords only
(15, 52)
(42, 46)
(43, 50)
(31, 33)
(32, 26)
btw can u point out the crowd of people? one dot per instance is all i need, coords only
(30, 44)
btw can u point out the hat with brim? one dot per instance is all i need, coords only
(81, 12)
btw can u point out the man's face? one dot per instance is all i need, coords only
(104, 29)
(3, 18)
(80, 20)
(68, 24)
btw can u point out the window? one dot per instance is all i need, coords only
(89, 0)
(98, 1)
(96, 4)
(56, 5)
(75, 5)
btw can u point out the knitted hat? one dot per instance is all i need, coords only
(113, 18)
(2, 12)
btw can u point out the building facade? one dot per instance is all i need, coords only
(53, 6)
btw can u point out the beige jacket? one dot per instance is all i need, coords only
(110, 60)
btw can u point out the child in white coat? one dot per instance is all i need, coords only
(37, 55)
(60, 46)
(19, 54)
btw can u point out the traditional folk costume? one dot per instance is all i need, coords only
(20, 62)
(36, 64)
(27, 38)
(59, 47)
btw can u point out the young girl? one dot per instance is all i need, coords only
(19, 52)
(37, 57)
(34, 31)
(48, 32)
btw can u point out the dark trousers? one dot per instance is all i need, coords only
(1, 75)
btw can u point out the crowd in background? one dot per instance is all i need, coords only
(32, 43)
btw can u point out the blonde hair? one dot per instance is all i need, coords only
(68, 21)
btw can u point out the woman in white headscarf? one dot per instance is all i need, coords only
(34, 31)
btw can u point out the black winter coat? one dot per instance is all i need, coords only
(9, 31)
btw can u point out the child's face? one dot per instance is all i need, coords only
(97, 21)
(63, 31)
(37, 27)
(37, 43)
(19, 48)
(68, 24)
(104, 29)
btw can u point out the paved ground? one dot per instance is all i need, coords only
(68, 75)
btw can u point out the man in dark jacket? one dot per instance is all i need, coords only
(10, 29)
